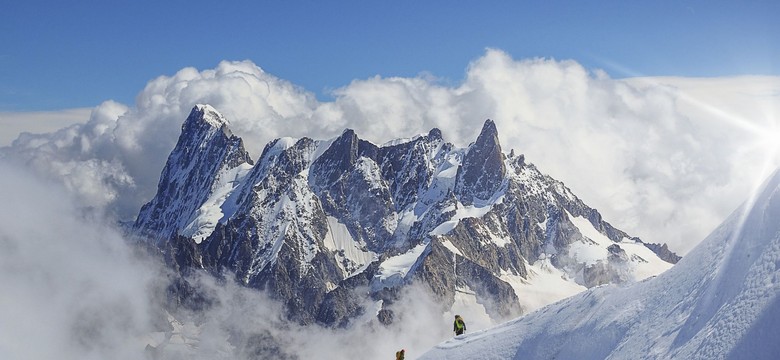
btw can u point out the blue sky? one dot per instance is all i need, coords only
(57, 55)
(647, 152)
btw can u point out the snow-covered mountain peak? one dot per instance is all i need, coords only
(433, 135)
(210, 115)
(278, 146)
(202, 170)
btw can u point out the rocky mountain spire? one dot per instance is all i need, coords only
(483, 170)
(335, 161)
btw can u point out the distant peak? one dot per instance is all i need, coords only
(483, 170)
(348, 136)
(488, 137)
(208, 114)
(488, 128)
(204, 107)
(435, 133)
(278, 146)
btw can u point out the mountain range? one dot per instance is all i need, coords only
(326, 226)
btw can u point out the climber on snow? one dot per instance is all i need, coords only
(399, 355)
(459, 326)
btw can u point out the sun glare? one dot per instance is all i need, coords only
(770, 141)
(757, 129)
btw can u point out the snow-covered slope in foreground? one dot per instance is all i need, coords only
(720, 301)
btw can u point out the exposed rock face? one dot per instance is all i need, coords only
(352, 189)
(207, 158)
(483, 169)
(664, 253)
(324, 225)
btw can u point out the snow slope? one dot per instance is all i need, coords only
(595, 250)
(720, 301)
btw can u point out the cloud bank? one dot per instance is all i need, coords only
(664, 159)
(73, 288)
(38, 122)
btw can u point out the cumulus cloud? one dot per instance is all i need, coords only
(84, 156)
(663, 158)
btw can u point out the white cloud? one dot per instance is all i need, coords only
(83, 156)
(38, 122)
(73, 288)
(229, 326)
(659, 157)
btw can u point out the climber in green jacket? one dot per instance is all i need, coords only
(459, 326)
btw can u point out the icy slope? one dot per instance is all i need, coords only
(720, 301)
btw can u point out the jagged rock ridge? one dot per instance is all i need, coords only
(316, 221)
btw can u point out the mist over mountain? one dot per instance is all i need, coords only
(76, 288)
(325, 225)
